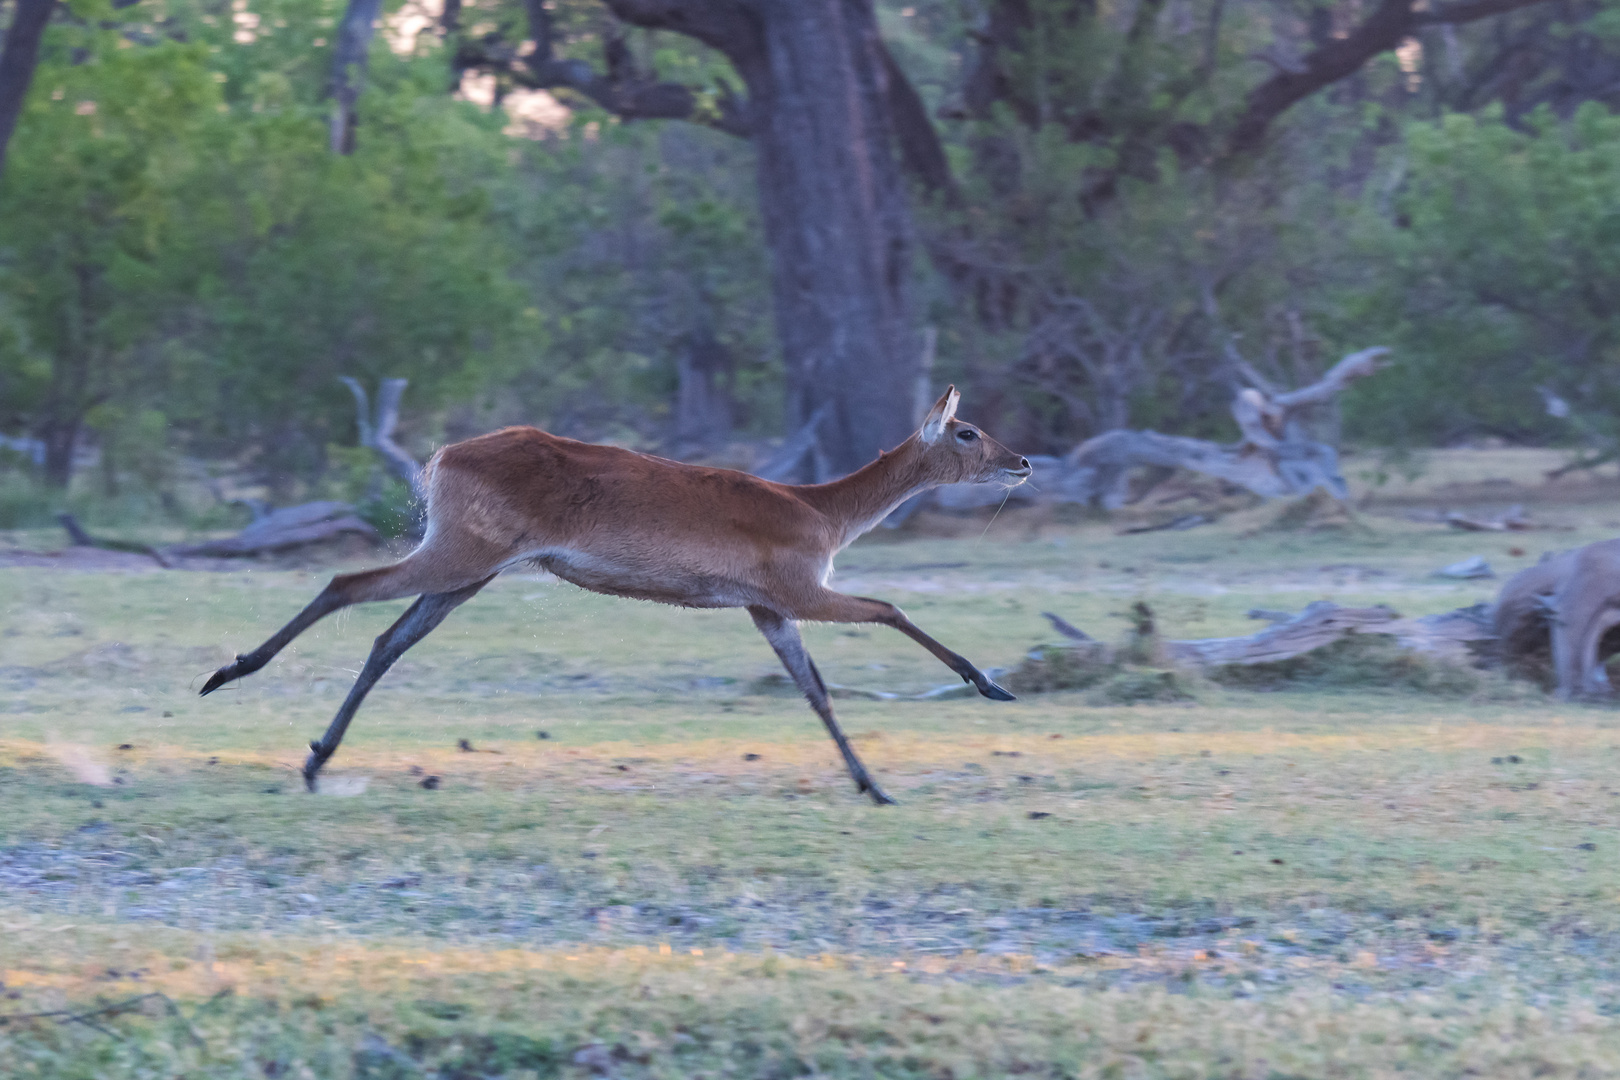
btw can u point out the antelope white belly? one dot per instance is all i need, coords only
(631, 577)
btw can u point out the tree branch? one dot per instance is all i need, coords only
(1469, 11)
(1358, 365)
(622, 90)
(379, 434)
(1388, 25)
(728, 26)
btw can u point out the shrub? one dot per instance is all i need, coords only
(1354, 662)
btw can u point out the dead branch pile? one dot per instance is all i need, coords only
(1275, 458)
(279, 530)
(1465, 635)
(1558, 622)
(270, 531)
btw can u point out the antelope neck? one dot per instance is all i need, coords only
(869, 494)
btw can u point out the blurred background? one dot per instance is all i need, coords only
(698, 227)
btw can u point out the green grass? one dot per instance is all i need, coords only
(1348, 881)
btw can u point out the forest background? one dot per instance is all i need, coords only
(621, 221)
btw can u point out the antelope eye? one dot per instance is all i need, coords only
(967, 435)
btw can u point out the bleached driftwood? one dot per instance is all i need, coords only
(1466, 635)
(288, 527)
(1321, 623)
(378, 433)
(1463, 635)
(1274, 459)
(1512, 521)
(1563, 610)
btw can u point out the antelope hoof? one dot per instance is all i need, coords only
(879, 796)
(220, 677)
(865, 784)
(312, 766)
(994, 692)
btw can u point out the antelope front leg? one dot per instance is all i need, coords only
(784, 637)
(836, 607)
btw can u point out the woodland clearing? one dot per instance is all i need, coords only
(679, 880)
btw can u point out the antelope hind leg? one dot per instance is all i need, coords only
(417, 623)
(384, 583)
(331, 599)
(784, 637)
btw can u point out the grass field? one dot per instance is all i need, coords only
(679, 881)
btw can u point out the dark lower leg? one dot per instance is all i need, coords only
(330, 600)
(955, 661)
(789, 646)
(417, 622)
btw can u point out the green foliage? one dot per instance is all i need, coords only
(640, 242)
(87, 219)
(185, 268)
(1495, 269)
(1113, 278)
(175, 237)
(184, 265)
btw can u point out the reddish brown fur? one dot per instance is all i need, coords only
(667, 531)
(615, 521)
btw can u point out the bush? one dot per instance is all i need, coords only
(1051, 668)
(1354, 662)
(1143, 686)
(1115, 678)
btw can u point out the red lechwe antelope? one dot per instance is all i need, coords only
(618, 522)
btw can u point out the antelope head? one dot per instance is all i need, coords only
(956, 452)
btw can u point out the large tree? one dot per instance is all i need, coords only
(819, 85)
(837, 125)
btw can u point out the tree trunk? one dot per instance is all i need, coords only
(703, 412)
(833, 207)
(836, 220)
(349, 56)
(73, 370)
(61, 439)
(18, 59)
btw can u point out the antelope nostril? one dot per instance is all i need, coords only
(1023, 463)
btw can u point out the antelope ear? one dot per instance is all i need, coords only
(943, 412)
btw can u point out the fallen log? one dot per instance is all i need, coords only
(1513, 521)
(279, 530)
(80, 538)
(1175, 524)
(1465, 635)
(1564, 615)
(1320, 624)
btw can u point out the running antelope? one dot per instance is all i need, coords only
(628, 524)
